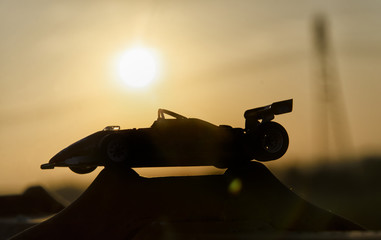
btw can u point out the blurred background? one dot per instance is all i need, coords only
(60, 80)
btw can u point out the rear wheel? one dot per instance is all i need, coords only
(270, 141)
(83, 170)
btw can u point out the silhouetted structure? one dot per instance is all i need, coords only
(331, 114)
(35, 202)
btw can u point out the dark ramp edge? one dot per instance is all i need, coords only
(119, 204)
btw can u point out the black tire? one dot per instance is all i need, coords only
(115, 150)
(83, 170)
(270, 141)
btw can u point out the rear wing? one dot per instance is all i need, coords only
(267, 113)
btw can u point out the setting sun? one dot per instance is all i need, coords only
(138, 67)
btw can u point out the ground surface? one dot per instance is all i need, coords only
(249, 200)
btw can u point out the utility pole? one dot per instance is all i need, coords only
(332, 118)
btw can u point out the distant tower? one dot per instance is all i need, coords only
(331, 126)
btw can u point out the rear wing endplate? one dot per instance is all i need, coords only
(267, 113)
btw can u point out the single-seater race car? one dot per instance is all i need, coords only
(175, 140)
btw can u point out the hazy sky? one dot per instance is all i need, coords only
(58, 81)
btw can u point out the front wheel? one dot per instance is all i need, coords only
(270, 141)
(83, 170)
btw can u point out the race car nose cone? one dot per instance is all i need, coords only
(79, 153)
(64, 154)
(47, 166)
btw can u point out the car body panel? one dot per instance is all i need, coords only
(177, 141)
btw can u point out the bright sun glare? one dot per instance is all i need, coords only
(138, 67)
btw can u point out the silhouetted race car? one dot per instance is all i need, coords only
(180, 141)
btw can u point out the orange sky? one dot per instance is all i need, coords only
(58, 81)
